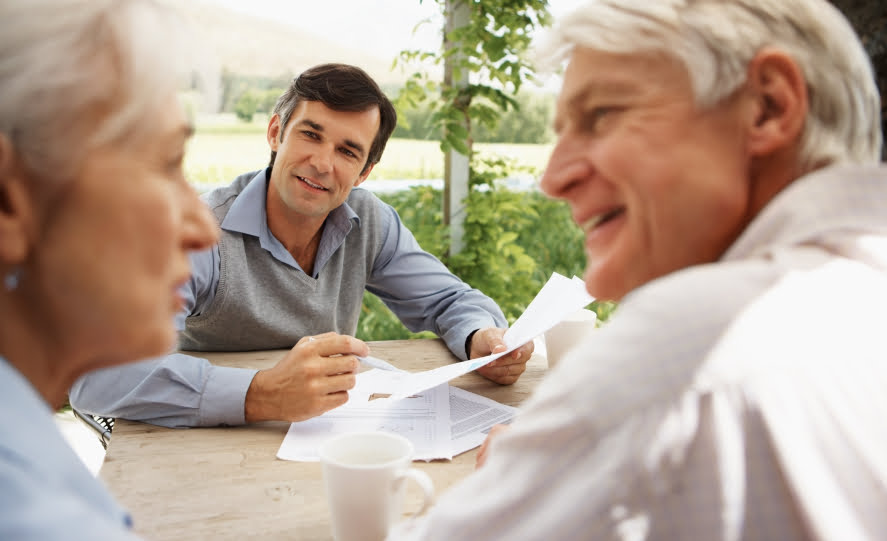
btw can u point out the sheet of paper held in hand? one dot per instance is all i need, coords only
(559, 297)
(441, 422)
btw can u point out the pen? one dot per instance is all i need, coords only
(373, 362)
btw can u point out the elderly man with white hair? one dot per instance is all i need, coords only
(721, 157)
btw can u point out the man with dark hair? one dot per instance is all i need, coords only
(299, 245)
(343, 88)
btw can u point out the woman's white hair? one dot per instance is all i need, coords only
(716, 39)
(66, 63)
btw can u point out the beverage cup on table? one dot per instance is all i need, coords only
(365, 476)
(565, 335)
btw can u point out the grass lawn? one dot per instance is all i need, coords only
(222, 150)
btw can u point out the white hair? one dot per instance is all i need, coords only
(63, 61)
(716, 39)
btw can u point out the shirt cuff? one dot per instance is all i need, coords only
(468, 343)
(224, 396)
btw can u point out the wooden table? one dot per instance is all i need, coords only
(226, 483)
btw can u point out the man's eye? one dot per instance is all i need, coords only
(348, 153)
(594, 118)
(310, 134)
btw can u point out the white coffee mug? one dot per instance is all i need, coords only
(365, 477)
(571, 330)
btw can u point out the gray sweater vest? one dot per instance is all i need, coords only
(262, 303)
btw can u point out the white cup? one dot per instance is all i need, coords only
(365, 477)
(571, 330)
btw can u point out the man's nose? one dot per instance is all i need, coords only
(565, 168)
(570, 164)
(322, 158)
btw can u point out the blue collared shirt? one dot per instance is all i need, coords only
(46, 492)
(181, 390)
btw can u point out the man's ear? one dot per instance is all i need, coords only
(363, 176)
(273, 133)
(16, 206)
(779, 102)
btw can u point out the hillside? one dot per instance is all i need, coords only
(251, 45)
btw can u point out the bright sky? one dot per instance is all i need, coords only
(380, 27)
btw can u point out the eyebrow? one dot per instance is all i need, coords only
(593, 90)
(354, 145)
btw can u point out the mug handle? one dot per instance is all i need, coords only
(424, 481)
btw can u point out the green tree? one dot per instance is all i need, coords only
(487, 48)
(491, 49)
(268, 99)
(247, 105)
(528, 122)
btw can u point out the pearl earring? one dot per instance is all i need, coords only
(12, 279)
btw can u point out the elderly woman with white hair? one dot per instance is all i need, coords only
(96, 223)
(721, 158)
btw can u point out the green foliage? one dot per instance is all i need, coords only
(420, 210)
(233, 86)
(491, 259)
(491, 47)
(528, 122)
(513, 241)
(247, 105)
(545, 234)
(268, 99)
(377, 322)
(254, 101)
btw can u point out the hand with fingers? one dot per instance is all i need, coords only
(484, 452)
(312, 378)
(506, 369)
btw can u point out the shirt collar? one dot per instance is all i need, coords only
(247, 215)
(840, 197)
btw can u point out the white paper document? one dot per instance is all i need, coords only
(424, 419)
(559, 297)
(441, 423)
(472, 416)
(440, 420)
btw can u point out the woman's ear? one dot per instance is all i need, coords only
(780, 102)
(16, 206)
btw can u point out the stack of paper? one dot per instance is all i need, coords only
(441, 421)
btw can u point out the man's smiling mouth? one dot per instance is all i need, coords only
(596, 221)
(309, 183)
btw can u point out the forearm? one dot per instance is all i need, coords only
(424, 294)
(452, 312)
(175, 391)
(472, 312)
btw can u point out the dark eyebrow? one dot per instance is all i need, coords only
(311, 124)
(357, 147)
